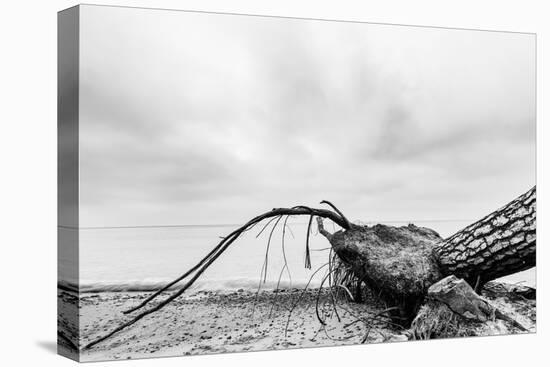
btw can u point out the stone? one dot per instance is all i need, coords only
(461, 298)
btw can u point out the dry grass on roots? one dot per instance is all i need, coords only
(436, 320)
(346, 283)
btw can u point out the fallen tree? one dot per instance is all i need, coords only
(399, 263)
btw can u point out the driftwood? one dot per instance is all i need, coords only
(399, 263)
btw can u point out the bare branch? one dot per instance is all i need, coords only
(197, 270)
(322, 230)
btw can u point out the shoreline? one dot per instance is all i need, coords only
(209, 322)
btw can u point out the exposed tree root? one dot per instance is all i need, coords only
(436, 320)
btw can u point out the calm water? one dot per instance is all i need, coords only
(144, 258)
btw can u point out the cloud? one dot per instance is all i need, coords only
(202, 118)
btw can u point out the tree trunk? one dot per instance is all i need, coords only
(502, 243)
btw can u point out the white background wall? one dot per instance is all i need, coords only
(28, 184)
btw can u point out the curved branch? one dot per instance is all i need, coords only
(344, 219)
(276, 212)
(219, 249)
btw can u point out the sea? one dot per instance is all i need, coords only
(146, 258)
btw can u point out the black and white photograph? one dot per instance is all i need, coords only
(235, 183)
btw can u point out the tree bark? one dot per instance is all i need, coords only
(502, 243)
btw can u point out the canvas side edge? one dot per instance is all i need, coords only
(68, 325)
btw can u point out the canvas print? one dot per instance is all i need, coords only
(232, 183)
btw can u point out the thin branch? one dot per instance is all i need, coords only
(322, 321)
(267, 248)
(263, 272)
(308, 254)
(285, 266)
(276, 291)
(283, 249)
(301, 296)
(265, 226)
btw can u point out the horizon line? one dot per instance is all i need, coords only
(240, 224)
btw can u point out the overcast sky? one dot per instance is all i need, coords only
(189, 118)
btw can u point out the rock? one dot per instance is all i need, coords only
(461, 298)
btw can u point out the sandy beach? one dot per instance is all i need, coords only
(239, 321)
